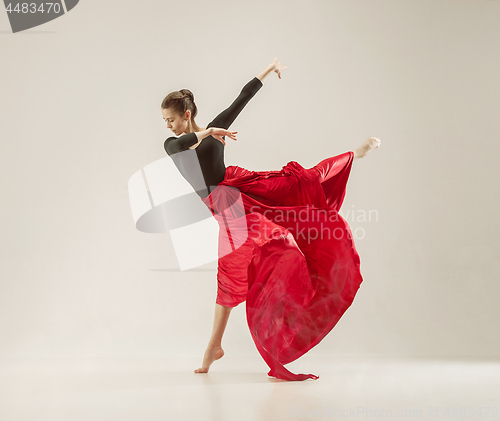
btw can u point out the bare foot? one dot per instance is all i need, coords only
(369, 145)
(211, 354)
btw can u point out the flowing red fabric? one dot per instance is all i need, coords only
(285, 249)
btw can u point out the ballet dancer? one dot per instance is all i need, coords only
(266, 271)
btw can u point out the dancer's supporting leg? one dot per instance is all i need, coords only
(214, 349)
(368, 146)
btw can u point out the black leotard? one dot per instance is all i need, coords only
(203, 167)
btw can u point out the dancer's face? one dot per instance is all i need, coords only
(175, 122)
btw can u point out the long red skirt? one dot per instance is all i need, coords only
(285, 249)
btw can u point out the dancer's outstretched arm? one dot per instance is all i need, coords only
(192, 140)
(275, 66)
(227, 117)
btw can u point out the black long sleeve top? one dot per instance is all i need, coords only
(203, 167)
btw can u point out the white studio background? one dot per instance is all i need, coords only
(80, 113)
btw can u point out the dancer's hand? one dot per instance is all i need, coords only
(277, 67)
(218, 133)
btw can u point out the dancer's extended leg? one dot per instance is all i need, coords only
(214, 349)
(368, 146)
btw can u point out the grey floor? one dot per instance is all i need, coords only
(151, 389)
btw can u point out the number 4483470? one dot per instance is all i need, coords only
(32, 8)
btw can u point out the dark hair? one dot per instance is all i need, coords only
(180, 102)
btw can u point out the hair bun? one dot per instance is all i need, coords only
(187, 94)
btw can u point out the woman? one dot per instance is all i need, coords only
(283, 247)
